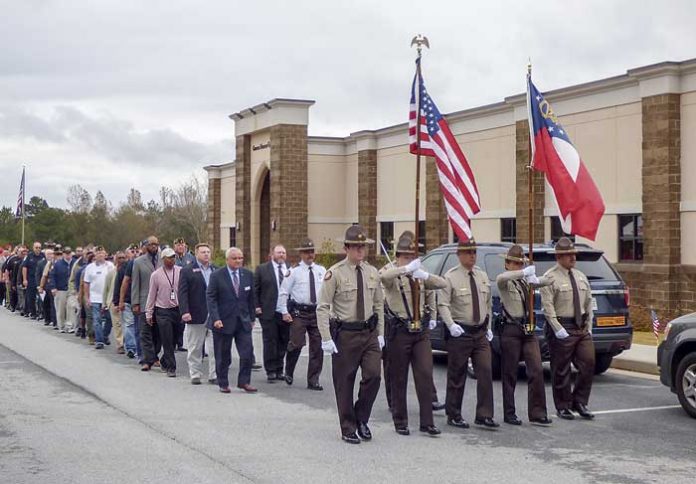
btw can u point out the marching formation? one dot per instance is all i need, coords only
(159, 300)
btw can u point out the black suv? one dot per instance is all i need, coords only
(676, 357)
(612, 332)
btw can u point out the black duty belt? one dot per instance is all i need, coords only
(306, 308)
(473, 329)
(569, 323)
(369, 324)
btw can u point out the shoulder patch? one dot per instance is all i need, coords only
(287, 274)
(328, 275)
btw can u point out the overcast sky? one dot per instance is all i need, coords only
(120, 94)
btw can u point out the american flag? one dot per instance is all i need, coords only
(655, 323)
(457, 182)
(20, 199)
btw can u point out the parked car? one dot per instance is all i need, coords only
(676, 357)
(612, 331)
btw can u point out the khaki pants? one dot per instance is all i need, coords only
(195, 336)
(116, 324)
(72, 312)
(60, 300)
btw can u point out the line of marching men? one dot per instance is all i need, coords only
(365, 315)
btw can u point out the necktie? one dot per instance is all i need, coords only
(235, 282)
(577, 312)
(474, 298)
(312, 287)
(360, 309)
(280, 275)
(415, 288)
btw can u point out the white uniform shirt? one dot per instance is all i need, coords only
(95, 275)
(296, 285)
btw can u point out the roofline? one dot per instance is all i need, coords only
(268, 105)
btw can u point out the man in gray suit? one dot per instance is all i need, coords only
(143, 267)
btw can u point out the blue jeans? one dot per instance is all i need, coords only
(131, 339)
(101, 323)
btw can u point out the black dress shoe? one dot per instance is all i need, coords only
(271, 378)
(487, 422)
(458, 422)
(47, 323)
(540, 421)
(364, 431)
(350, 438)
(280, 376)
(583, 411)
(315, 386)
(438, 406)
(212, 381)
(288, 379)
(514, 420)
(402, 430)
(430, 430)
(566, 414)
(256, 367)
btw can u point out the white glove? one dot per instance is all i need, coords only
(529, 271)
(456, 330)
(533, 279)
(329, 347)
(489, 335)
(421, 274)
(413, 266)
(562, 333)
(432, 325)
(380, 339)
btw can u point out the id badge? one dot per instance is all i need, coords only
(172, 296)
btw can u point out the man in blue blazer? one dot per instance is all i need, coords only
(231, 305)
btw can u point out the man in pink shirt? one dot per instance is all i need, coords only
(163, 307)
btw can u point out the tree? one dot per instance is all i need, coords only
(79, 199)
(190, 206)
(35, 206)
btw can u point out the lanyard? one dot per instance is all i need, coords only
(171, 283)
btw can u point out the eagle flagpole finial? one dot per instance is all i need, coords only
(419, 41)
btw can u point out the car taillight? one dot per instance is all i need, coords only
(627, 297)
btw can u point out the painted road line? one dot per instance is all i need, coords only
(640, 409)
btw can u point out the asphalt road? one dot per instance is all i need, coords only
(71, 414)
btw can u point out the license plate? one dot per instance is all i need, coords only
(611, 321)
(594, 304)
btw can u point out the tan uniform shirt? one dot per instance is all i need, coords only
(557, 297)
(510, 292)
(339, 296)
(392, 292)
(455, 302)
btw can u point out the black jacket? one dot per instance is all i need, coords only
(225, 305)
(266, 289)
(192, 297)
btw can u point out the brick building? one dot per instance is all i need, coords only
(636, 133)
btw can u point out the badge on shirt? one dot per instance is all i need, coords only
(172, 295)
(328, 275)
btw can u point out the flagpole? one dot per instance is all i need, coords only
(24, 191)
(419, 41)
(531, 325)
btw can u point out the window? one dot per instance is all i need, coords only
(631, 237)
(508, 230)
(557, 230)
(421, 235)
(233, 237)
(432, 262)
(452, 261)
(386, 235)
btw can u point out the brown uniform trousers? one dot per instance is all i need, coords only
(305, 322)
(516, 345)
(411, 349)
(472, 345)
(356, 349)
(578, 349)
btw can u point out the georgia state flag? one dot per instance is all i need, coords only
(579, 203)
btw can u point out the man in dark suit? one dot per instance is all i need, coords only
(231, 306)
(276, 332)
(193, 282)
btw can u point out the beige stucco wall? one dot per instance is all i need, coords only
(396, 186)
(227, 206)
(328, 195)
(688, 187)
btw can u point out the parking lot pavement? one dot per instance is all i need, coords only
(70, 413)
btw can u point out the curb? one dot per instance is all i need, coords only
(635, 365)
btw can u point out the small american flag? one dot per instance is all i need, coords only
(19, 213)
(433, 138)
(657, 327)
